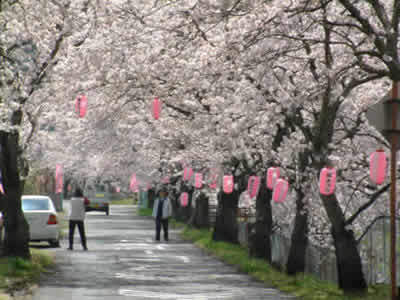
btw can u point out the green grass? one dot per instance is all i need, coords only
(145, 212)
(126, 201)
(17, 273)
(63, 219)
(303, 286)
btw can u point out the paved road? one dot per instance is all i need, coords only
(124, 262)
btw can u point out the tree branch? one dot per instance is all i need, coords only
(363, 207)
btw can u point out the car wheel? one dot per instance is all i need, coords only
(54, 243)
(107, 211)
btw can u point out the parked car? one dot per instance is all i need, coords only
(98, 198)
(41, 215)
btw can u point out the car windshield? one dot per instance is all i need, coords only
(35, 204)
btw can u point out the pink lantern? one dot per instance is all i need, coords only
(117, 189)
(228, 184)
(81, 105)
(377, 166)
(165, 180)
(187, 173)
(156, 108)
(1, 183)
(280, 190)
(133, 184)
(184, 199)
(59, 179)
(198, 180)
(252, 186)
(327, 181)
(272, 176)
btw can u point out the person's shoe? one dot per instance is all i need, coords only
(70, 248)
(85, 248)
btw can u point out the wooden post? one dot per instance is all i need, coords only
(393, 192)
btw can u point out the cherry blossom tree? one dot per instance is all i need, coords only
(29, 48)
(244, 85)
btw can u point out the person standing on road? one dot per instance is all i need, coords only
(161, 212)
(76, 217)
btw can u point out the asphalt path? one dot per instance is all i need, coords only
(124, 262)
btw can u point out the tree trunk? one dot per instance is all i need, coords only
(297, 254)
(348, 261)
(174, 197)
(226, 226)
(200, 214)
(185, 213)
(260, 234)
(151, 196)
(350, 275)
(16, 240)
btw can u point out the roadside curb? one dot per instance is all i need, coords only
(24, 294)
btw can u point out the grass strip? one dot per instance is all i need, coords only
(304, 286)
(145, 212)
(126, 201)
(17, 273)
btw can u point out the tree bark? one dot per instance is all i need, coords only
(297, 254)
(16, 239)
(260, 233)
(184, 213)
(350, 275)
(174, 197)
(226, 226)
(200, 213)
(296, 262)
(151, 196)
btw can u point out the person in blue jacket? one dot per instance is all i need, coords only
(161, 213)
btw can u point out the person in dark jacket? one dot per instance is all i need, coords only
(161, 213)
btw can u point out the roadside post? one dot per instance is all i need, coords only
(385, 116)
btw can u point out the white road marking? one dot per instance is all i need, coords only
(160, 247)
(184, 258)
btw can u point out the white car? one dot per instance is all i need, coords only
(42, 218)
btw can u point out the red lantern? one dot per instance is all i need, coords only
(327, 181)
(187, 173)
(228, 184)
(272, 176)
(377, 166)
(81, 105)
(252, 186)
(184, 199)
(280, 190)
(156, 108)
(198, 180)
(59, 179)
